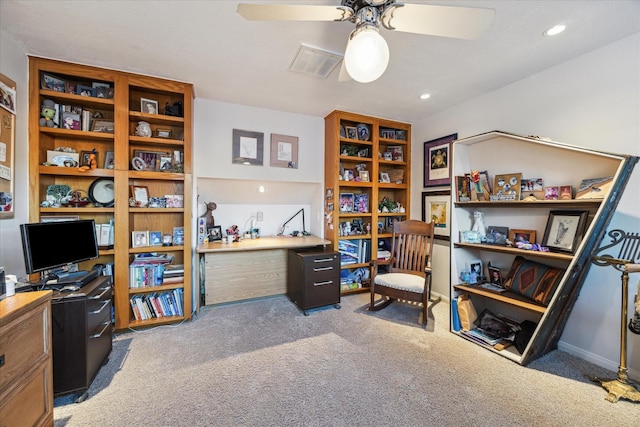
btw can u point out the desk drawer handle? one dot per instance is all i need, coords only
(328, 282)
(104, 304)
(323, 269)
(104, 291)
(98, 335)
(323, 260)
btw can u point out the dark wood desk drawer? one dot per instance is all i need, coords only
(313, 278)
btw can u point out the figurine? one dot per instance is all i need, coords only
(208, 215)
(48, 112)
(143, 129)
(478, 224)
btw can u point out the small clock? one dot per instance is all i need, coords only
(101, 192)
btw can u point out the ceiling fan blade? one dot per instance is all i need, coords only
(344, 75)
(289, 12)
(444, 21)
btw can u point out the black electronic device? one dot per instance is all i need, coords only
(49, 245)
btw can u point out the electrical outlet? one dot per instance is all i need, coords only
(259, 216)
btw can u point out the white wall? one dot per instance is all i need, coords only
(591, 101)
(15, 65)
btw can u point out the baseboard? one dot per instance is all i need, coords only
(443, 298)
(597, 360)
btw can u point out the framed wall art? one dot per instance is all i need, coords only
(436, 208)
(437, 161)
(284, 151)
(564, 230)
(248, 147)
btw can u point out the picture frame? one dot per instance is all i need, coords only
(108, 160)
(70, 121)
(166, 163)
(51, 82)
(139, 239)
(495, 275)
(564, 230)
(155, 238)
(70, 88)
(400, 135)
(178, 236)
(352, 132)
(150, 158)
(85, 157)
(215, 233)
(397, 152)
(437, 161)
(551, 193)
(364, 176)
(566, 192)
(148, 106)
(532, 187)
(138, 164)
(436, 208)
(480, 191)
(470, 236)
(84, 90)
(361, 202)
(248, 147)
(507, 186)
(524, 236)
(284, 151)
(163, 133)
(463, 189)
(475, 266)
(140, 194)
(346, 202)
(384, 177)
(100, 125)
(497, 235)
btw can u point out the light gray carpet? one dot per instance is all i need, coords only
(263, 363)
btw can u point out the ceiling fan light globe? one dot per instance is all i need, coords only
(367, 55)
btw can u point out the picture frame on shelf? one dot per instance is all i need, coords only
(463, 189)
(108, 160)
(215, 233)
(51, 82)
(178, 236)
(140, 194)
(85, 157)
(532, 187)
(566, 192)
(70, 121)
(150, 158)
(138, 164)
(437, 161)
(507, 186)
(523, 236)
(387, 133)
(400, 135)
(397, 152)
(564, 230)
(70, 88)
(384, 177)
(361, 202)
(148, 106)
(139, 239)
(497, 235)
(346, 202)
(155, 238)
(364, 176)
(101, 91)
(495, 275)
(163, 133)
(551, 193)
(284, 151)
(166, 163)
(105, 126)
(248, 147)
(475, 268)
(436, 208)
(480, 189)
(352, 132)
(84, 90)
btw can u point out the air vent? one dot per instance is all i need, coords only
(314, 62)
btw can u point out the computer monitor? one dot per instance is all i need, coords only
(48, 245)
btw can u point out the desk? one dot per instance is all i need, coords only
(250, 268)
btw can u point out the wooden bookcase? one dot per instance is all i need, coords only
(378, 146)
(558, 165)
(118, 104)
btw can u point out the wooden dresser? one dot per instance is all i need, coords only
(26, 369)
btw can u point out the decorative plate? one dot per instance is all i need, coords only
(101, 192)
(363, 132)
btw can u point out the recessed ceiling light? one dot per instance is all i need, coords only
(425, 96)
(555, 30)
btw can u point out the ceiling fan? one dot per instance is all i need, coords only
(367, 54)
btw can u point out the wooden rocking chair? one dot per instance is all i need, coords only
(409, 267)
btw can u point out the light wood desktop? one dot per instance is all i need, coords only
(250, 268)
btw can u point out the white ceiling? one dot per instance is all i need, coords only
(233, 60)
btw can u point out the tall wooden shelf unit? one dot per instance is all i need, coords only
(344, 151)
(558, 164)
(124, 110)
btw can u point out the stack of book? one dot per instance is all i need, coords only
(173, 273)
(357, 251)
(148, 270)
(158, 304)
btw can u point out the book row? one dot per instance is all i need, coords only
(356, 251)
(157, 304)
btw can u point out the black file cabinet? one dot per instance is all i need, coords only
(81, 336)
(313, 278)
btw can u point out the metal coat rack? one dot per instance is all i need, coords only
(627, 260)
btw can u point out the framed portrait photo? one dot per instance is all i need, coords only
(284, 151)
(436, 208)
(437, 161)
(564, 230)
(139, 239)
(215, 233)
(148, 106)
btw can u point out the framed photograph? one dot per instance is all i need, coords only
(475, 268)
(163, 133)
(507, 186)
(495, 275)
(50, 82)
(470, 236)
(138, 164)
(105, 126)
(166, 163)
(151, 159)
(566, 192)
(346, 202)
(352, 132)
(532, 187)
(384, 177)
(284, 151)
(215, 233)
(108, 160)
(83, 90)
(248, 147)
(463, 189)
(497, 235)
(101, 91)
(141, 195)
(178, 236)
(436, 208)
(437, 161)
(139, 239)
(361, 202)
(396, 152)
(364, 152)
(85, 158)
(70, 88)
(551, 193)
(148, 106)
(523, 236)
(155, 238)
(564, 230)
(70, 121)
(400, 135)
(364, 176)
